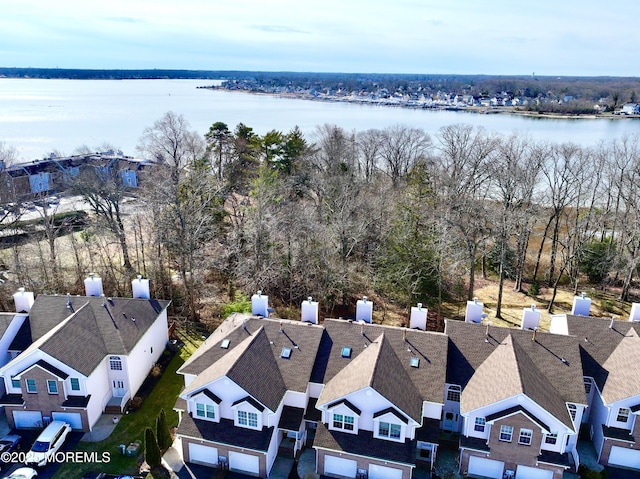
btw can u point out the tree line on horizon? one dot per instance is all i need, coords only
(396, 213)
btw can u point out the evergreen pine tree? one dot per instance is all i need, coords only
(152, 454)
(162, 431)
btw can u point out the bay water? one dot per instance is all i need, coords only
(40, 116)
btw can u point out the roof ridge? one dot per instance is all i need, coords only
(231, 357)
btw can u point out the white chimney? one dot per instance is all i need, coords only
(260, 305)
(93, 285)
(23, 300)
(140, 288)
(364, 310)
(581, 305)
(635, 312)
(530, 318)
(418, 319)
(309, 311)
(474, 311)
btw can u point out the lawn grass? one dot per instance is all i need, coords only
(131, 426)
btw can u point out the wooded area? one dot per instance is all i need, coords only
(396, 214)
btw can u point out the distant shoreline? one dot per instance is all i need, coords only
(480, 110)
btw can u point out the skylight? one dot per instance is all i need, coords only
(415, 362)
(346, 352)
(286, 353)
(225, 343)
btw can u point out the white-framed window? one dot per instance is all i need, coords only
(506, 433)
(207, 411)
(115, 363)
(15, 383)
(341, 421)
(389, 430)
(573, 410)
(453, 393)
(75, 384)
(247, 418)
(31, 386)
(526, 435)
(52, 386)
(551, 438)
(588, 384)
(479, 424)
(623, 414)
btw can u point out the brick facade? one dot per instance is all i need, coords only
(512, 453)
(42, 400)
(609, 443)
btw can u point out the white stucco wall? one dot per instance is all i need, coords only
(146, 352)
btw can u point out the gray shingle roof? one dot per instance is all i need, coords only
(377, 366)
(225, 432)
(430, 348)
(364, 444)
(5, 321)
(92, 329)
(294, 372)
(609, 354)
(508, 361)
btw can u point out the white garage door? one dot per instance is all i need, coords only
(200, 454)
(73, 418)
(621, 456)
(245, 463)
(382, 472)
(339, 466)
(481, 466)
(25, 419)
(526, 472)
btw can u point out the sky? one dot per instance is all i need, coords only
(497, 37)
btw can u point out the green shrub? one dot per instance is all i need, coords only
(534, 289)
(608, 306)
(242, 304)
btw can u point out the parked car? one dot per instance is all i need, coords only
(22, 473)
(9, 443)
(48, 443)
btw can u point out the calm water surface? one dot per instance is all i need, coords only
(39, 116)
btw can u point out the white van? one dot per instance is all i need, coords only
(48, 443)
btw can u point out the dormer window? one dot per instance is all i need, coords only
(341, 421)
(249, 419)
(623, 414)
(479, 425)
(573, 410)
(588, 383)
(15, 383)
(389, 430)
(205, 411)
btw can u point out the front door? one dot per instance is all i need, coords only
(118, 388)
(450, 421)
